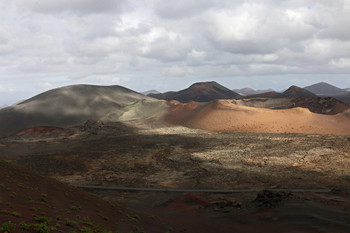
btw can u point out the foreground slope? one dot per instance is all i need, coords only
(72, 105)
(200, 92)
(31, 202)
(224, 116)
(43, 203)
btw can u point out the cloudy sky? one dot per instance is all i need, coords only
(169, 44)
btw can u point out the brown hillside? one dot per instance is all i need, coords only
(295, 91)
(227, 117)
(199, 92)
(30, 202)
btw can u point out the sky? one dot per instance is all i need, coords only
(170, 44)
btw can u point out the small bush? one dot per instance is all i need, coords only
(42, 219)
(4, 212)
(86, 230)
(24, 226)
(15, 214)
(8, 226)
(40, 228)
(71, 223)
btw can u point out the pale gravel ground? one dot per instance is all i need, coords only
(180, 157)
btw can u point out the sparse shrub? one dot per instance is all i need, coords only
(104, 217)
(58, 217)
(9, 205)
(15, 214)
(4, 212)
(133, 217)
(71, 223)
(74, 208)
(86, 229)
(24, 226)
(88, 221)
(41, 227)
(42, 219)
(8, 227)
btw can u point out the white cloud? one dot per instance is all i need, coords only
(75, 6)
(79, 40)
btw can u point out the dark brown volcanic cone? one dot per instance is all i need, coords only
(199, 92)
(295, 91)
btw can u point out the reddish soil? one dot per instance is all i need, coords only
(34, 203)
(39, 130)
(223, 116)
(179, 112)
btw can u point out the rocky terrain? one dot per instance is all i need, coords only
(32, 202)
(117, 155)
(248, 165)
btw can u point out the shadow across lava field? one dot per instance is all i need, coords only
(176, 157)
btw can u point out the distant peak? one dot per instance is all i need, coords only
(294, 88)
(209, 83)
(297, 91)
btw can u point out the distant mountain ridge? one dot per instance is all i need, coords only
(292, 91)
(199, 92)
(249, 91)
(150, 92)
(324, 88)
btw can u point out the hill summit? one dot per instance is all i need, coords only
(295, 91)
(323, 88)
(199, 92)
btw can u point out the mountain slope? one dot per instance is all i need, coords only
(323, 88)
(295, 91)
(199, 92)
(225, 116)
(31, 202)
(72, 105)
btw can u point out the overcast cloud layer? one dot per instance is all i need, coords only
(169, 44)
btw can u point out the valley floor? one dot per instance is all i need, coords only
(177, 157)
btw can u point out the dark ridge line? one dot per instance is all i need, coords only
(95, 187)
